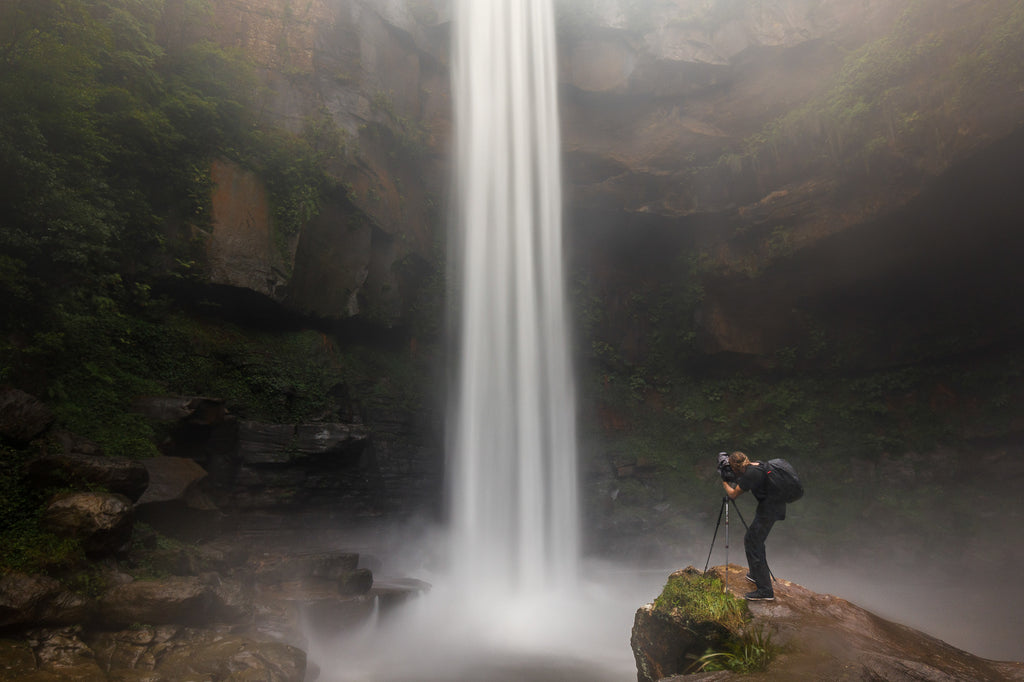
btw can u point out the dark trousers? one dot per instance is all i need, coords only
(753, 543)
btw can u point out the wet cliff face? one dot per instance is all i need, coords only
(371, 75)
(809, 167)
(831, 167)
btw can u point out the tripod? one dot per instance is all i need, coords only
(724, 510)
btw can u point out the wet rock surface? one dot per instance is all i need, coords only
(820, 636)
(245, 621)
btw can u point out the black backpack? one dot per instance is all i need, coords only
(783, 483)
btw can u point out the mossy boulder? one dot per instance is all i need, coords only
(693, 614)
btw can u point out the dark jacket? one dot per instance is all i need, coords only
(755, 479)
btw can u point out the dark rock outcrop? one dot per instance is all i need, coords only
(22, 416)
(81, 471)
(177, 502)
(31, 600)
(819, 637)
(173, 479)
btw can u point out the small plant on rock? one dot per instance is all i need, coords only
(751, 652)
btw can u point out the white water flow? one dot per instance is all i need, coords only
(514, 604)
(512, 455)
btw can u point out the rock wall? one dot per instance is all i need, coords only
(371, 69)
(758, 137)
(807, 154)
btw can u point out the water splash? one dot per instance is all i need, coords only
(512, 468)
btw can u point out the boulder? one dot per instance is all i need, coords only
(115, 474)
(22, 416)
(176, 502)
(183, 600)
(814, 636)
(28, 600)
(178, 599)
(172, 479)
(101, 521)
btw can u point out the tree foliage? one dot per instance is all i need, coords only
(111, 112)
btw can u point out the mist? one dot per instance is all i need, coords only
(956, 593)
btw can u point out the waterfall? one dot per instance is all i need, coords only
(512, 449)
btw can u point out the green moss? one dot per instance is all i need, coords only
(697, 598)
(29, 549)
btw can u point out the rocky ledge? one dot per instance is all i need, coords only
(812, 636)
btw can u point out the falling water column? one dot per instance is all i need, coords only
(512, 454)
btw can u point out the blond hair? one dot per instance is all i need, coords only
(738, 459)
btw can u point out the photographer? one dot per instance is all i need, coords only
(739, 475)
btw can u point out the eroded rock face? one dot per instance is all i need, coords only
(241, 251)
(375, 71)
(661, 112)
(299, 465)
(686, 119)
(27, 600)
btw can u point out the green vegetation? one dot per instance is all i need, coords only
(751, 652)
(880, 104)
(697, 598)
(111, 114)
(702, 603)
(26, 547)
(106, 138)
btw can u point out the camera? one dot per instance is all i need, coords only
(724, 470)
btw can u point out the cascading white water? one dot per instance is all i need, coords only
(512, 452)
(515, 604)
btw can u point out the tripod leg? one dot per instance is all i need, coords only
(715, 536)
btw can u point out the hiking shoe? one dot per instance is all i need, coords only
(760, 595)
(750, 578)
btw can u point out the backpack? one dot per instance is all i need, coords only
(784, 484)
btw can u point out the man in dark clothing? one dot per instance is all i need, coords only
(752, 476)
